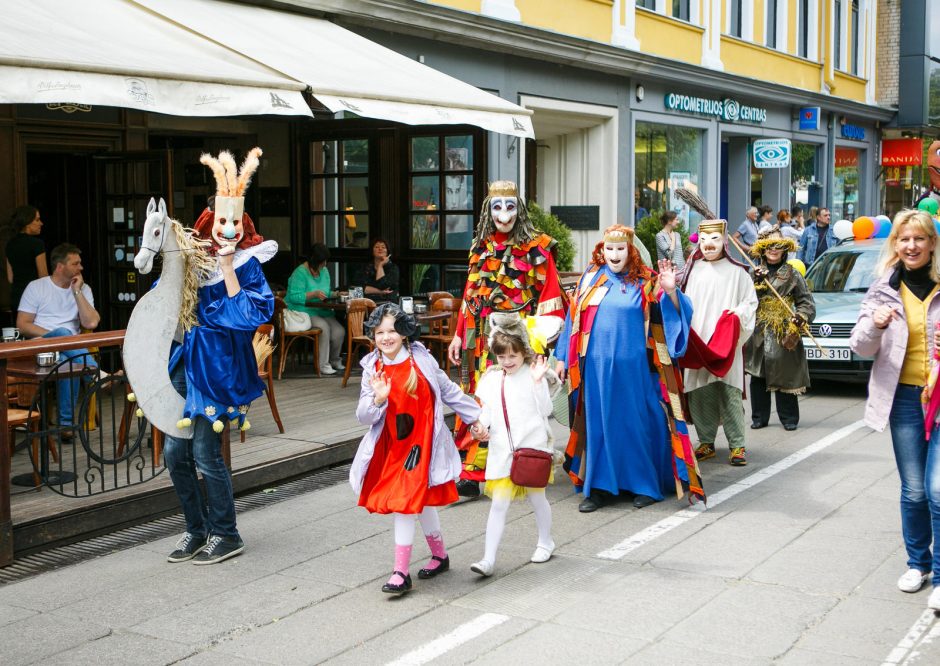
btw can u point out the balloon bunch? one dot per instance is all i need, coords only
(931, 206)
(863, 228)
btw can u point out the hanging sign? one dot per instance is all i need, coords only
(902, 152)
(772, 153)
(809, 118)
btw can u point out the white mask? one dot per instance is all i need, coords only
(711, 244)
(503, 211)
(616, 254)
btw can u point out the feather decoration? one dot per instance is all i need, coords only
(231, 172)
(696, 203)
(249, 166)
(218, 171)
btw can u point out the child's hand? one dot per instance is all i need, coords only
(480, 433)
(539, 368)
(381, 386)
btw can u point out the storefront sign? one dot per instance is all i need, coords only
(853, 132)
(772, 153)
(722, 109)
(898, 175)
(581, 218)
(809, 118)
(679, 179)
(902, 152)
(846, 157)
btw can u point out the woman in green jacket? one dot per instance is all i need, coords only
(309, 284)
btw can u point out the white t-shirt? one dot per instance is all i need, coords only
(53, 306)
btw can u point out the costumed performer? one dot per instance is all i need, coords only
(516, 403)
(407, 463)
(512, 269)
(774, 355)
(215, 368)
(933, 171)
(725, 303)
(624, 330)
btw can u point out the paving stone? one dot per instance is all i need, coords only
(802, 657)
(38, 637)
(212, 657)
(883, 582)
(550, 643)
(10, 614)
(669, 652)
(121, 649)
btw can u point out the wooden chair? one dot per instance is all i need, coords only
(441, 331)
(286, 339)
(266, 372)
(434, 295)
(357, 311)
(19, 415)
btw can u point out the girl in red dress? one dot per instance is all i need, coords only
(407, 463)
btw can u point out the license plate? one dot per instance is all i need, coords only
(828, 354)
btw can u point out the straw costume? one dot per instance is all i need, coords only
(774, 355)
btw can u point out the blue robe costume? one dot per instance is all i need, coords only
(627, 432)
(219, 360)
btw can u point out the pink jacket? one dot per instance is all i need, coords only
(887, 345)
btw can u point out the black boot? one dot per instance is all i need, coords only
(468, 488)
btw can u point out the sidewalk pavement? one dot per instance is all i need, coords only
(797, 568)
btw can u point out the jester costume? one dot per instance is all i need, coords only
(511, 270)
(619, 344)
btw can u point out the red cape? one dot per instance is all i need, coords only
(717, 354)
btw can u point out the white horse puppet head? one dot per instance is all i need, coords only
(157, 228)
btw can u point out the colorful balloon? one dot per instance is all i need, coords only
(884, 230)
(842, 229)
(693, 238)
(878, 224)
(930, 205)
(884, 218)
(863, 227)
(798, 265)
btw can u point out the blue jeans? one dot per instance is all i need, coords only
(67, 389)
(183, 457)
(919, 467)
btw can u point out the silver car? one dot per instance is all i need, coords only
(839, 280)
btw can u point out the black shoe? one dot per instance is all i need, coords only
(597, 499)
(187, 548)
(404, 586)
(468, 488)
(643, 501)
(757, 425)
(219, 549)
(439, 569)
(789, 426)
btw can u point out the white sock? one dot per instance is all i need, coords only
(404, 529)
(543, 516)
(494, 528)
(430, 521)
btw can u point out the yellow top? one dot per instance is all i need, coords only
(916, 366)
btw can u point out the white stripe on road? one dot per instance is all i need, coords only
(670, 523)
(903, 651)
(444, 644)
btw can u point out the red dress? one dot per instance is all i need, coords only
(397, 479)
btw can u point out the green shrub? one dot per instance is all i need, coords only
(648, 227)
(551, 225)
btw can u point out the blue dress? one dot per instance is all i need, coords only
(628, 444)
(221, 371)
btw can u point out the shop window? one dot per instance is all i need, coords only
(441, 186)
(805, 190)
(845, 184)
(667, 157)
(339, 193)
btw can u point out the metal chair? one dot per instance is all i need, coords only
(286, 338)
(266, 372)
(357, 311)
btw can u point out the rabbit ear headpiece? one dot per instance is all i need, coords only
(536, 332)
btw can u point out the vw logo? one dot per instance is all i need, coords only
(825, 330)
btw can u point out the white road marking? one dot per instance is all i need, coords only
(670, 523)
(465, 633)
(904, 652)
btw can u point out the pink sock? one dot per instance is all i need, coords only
(402, 559)
(436, 544)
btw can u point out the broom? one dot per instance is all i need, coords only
(698, 204)
(263, 348)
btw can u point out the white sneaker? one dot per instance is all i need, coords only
(933, 601)
(327, 369)
(338, 365)
(913, 580)
(543, 553)
(482, 567)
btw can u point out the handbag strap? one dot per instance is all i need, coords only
(502, 395)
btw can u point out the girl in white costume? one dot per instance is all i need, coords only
(521, 384)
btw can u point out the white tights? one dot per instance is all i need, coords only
(405, 525)
(497, 522)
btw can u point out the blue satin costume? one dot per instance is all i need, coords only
(628, 442)
(221, 371)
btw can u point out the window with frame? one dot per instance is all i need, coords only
(855, 36)
(802, 34)
(339, 192)
(771, 23)
(680, 9)
(837, 35)
(647, 4)
(734, 22)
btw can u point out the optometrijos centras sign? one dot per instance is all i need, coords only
(721, 109)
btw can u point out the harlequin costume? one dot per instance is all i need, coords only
(724, 304)
(215, 367)
(511, 270)
(407, 462)
(774, 354)
(620, 343)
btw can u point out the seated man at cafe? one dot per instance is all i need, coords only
(57, 305)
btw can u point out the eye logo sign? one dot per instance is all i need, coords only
(772, 153)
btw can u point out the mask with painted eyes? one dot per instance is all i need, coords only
(503, 211)
(227, 227)
(712, 244)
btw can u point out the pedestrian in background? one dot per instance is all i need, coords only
(746, 234)
(817, 237)
(669, 242)
(25, 252)
(516, 404)
(766, 221)
(796, 218)
(407, 463)
(788, 228)
(899, 324)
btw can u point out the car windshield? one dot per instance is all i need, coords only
(842, 271)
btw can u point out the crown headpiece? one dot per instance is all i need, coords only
(618, 233)
(712, 227)
(503, 188)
